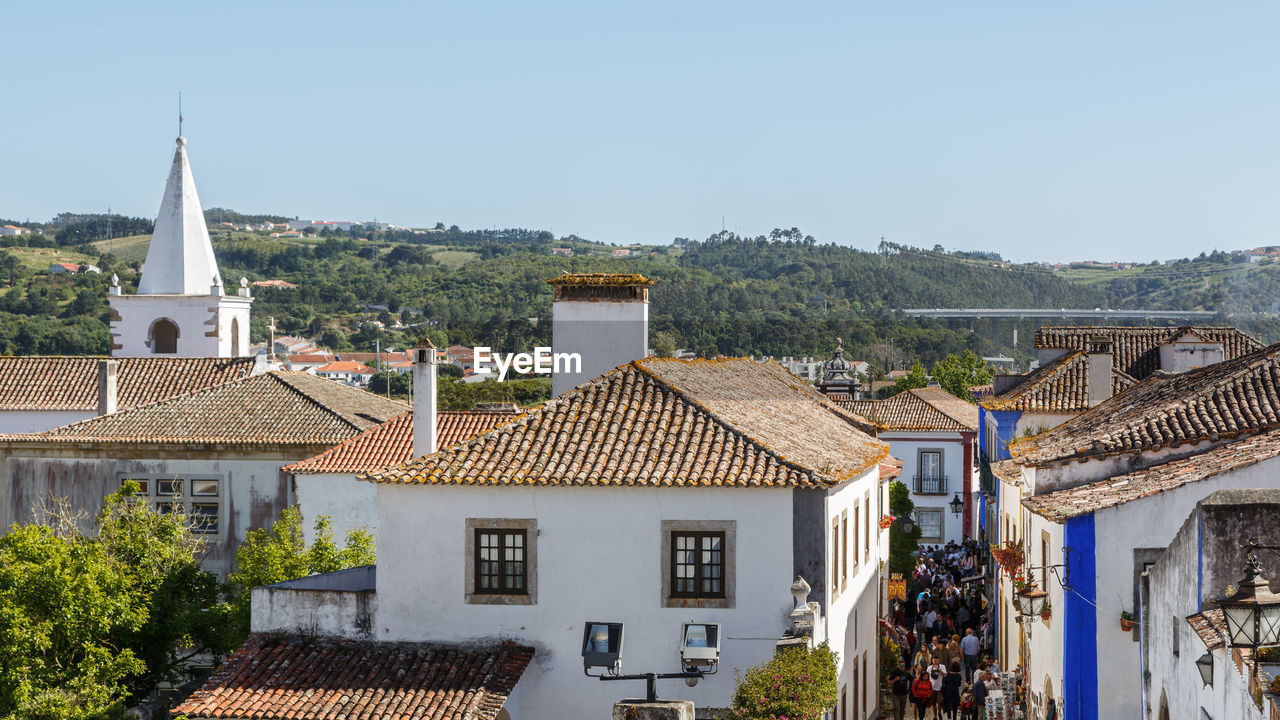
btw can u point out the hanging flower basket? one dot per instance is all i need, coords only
(1009, 556)
(1126, 621)
(886, 521)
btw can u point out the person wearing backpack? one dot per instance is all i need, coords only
(921, 693)
(900, 686)
(937, 674)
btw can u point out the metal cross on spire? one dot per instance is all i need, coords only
(179, 113)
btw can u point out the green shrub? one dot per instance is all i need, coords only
(797, 684)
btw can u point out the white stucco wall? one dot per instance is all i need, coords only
(349, 503)
(606, 334)
(599, 557)
(906, 446)
(1044, 639)
(32, 421)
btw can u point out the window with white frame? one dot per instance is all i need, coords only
(929, 520)
(199, 498)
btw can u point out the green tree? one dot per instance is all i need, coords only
(61, 598)
(279, 553)
(901, 544)
(797, 683)
(399, 383)
(957, 373)
(915, 378)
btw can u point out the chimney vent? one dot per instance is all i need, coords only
(107, 388)
(424, 398)
(1100, 361)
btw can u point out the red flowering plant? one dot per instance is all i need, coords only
(1009, 556)
(886, 521)
(796, 684)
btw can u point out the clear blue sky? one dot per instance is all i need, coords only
(1038, 130)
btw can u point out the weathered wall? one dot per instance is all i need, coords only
(1203, 558)
(252, 490)
(342, 603)
(204, 323)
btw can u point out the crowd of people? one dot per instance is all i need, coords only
(945, 632)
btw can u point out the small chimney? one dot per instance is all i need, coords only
(1100, 361)
(424, 398)
(107, 370)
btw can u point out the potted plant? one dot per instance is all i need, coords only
(1047, 611)
(1126, 620)
(1009, 556)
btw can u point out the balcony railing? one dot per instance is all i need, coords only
(931, 484)
(988, 478)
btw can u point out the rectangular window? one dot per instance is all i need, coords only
(697, 564)
(500, 562)
(856, 519)
(866, 527)
(1044, 560)
(844, 705)
(930, 480)
(856, 688)
(929, 520)
(844, 546)
(865, 666)
(835, 557)
(198, 498)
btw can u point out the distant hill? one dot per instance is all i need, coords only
(782, 294)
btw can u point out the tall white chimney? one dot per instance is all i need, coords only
(424, 398)
(1100, 361)
(603, 318)
(107, 394)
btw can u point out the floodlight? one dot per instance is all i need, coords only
(602, 646)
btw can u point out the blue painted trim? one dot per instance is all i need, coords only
(1199, 559)
(1080, 623)
(1006, 431)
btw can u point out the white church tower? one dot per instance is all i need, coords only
(181, 308)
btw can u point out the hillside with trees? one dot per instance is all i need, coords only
(781, 294)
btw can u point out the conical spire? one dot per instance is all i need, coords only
(180, 259)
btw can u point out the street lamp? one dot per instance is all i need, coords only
(1204, 664)
(1252, 612)
(907, 525)
(957, 505)
(1030, 600)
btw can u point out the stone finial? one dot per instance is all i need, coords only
(115, 280)
(244, 281)
(800, 591)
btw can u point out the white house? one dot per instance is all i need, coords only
(1098, 498)
(1191, 671)
(218, 451)
(934, 433)
(351, 372)
(181, 307)
(661, 492)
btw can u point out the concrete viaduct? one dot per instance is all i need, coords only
(1016, 314)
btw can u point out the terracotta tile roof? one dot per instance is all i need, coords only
(311, 358)
(346, 366)
(314, 678)
(890, 468)
(278, 408)
(1007, 470)
(661, 421)
(1211, 627)
(1085, 499)
(928, 409)
(1222, 400)
(34, 382)
(1136, 350)
(1061, 386)
(391, 443)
